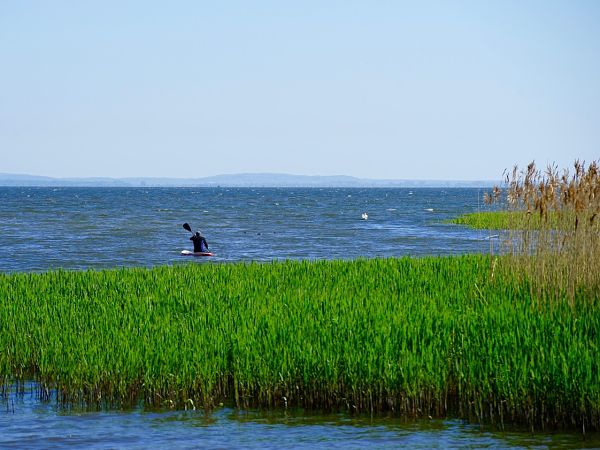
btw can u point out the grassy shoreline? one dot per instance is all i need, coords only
(510, 220)
(429, 336)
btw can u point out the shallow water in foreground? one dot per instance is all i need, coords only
(25, 422)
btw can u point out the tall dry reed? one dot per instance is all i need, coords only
(557, 246)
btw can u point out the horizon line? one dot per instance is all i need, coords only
(236, 174)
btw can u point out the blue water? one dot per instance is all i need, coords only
(28, 423)
(80, 228)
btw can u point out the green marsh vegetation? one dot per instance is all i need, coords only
(430, 336)
(509, 339)
(503, 220)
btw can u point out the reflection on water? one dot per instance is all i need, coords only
(25, 422)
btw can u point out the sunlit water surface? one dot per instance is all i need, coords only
(79, 228)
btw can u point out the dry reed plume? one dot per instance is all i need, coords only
(558, 249)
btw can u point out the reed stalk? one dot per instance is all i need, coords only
(553, 224)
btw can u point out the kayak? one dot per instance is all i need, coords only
(188, 253)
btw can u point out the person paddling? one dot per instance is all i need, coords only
(200, 244)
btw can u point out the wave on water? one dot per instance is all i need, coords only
(80, 228)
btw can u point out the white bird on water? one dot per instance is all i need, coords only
(365, 216)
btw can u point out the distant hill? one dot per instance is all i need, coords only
(235, 180)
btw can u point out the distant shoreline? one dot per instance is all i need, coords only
(237, 180)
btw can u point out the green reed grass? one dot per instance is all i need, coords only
(510, 220)
(431, 336)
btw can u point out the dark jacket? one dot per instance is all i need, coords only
(200, 244)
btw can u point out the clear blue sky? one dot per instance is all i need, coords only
(373, 89)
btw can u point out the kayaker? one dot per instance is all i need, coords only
(200, 244)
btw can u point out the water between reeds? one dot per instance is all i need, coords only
(25, 422)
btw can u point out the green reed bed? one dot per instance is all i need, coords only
(431, 336)
(509, 220)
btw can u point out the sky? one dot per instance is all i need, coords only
(446, 90)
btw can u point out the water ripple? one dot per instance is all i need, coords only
(80, 228)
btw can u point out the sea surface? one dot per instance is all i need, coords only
(101, 228)
(81, 228)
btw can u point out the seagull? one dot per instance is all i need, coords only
(365, 216)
